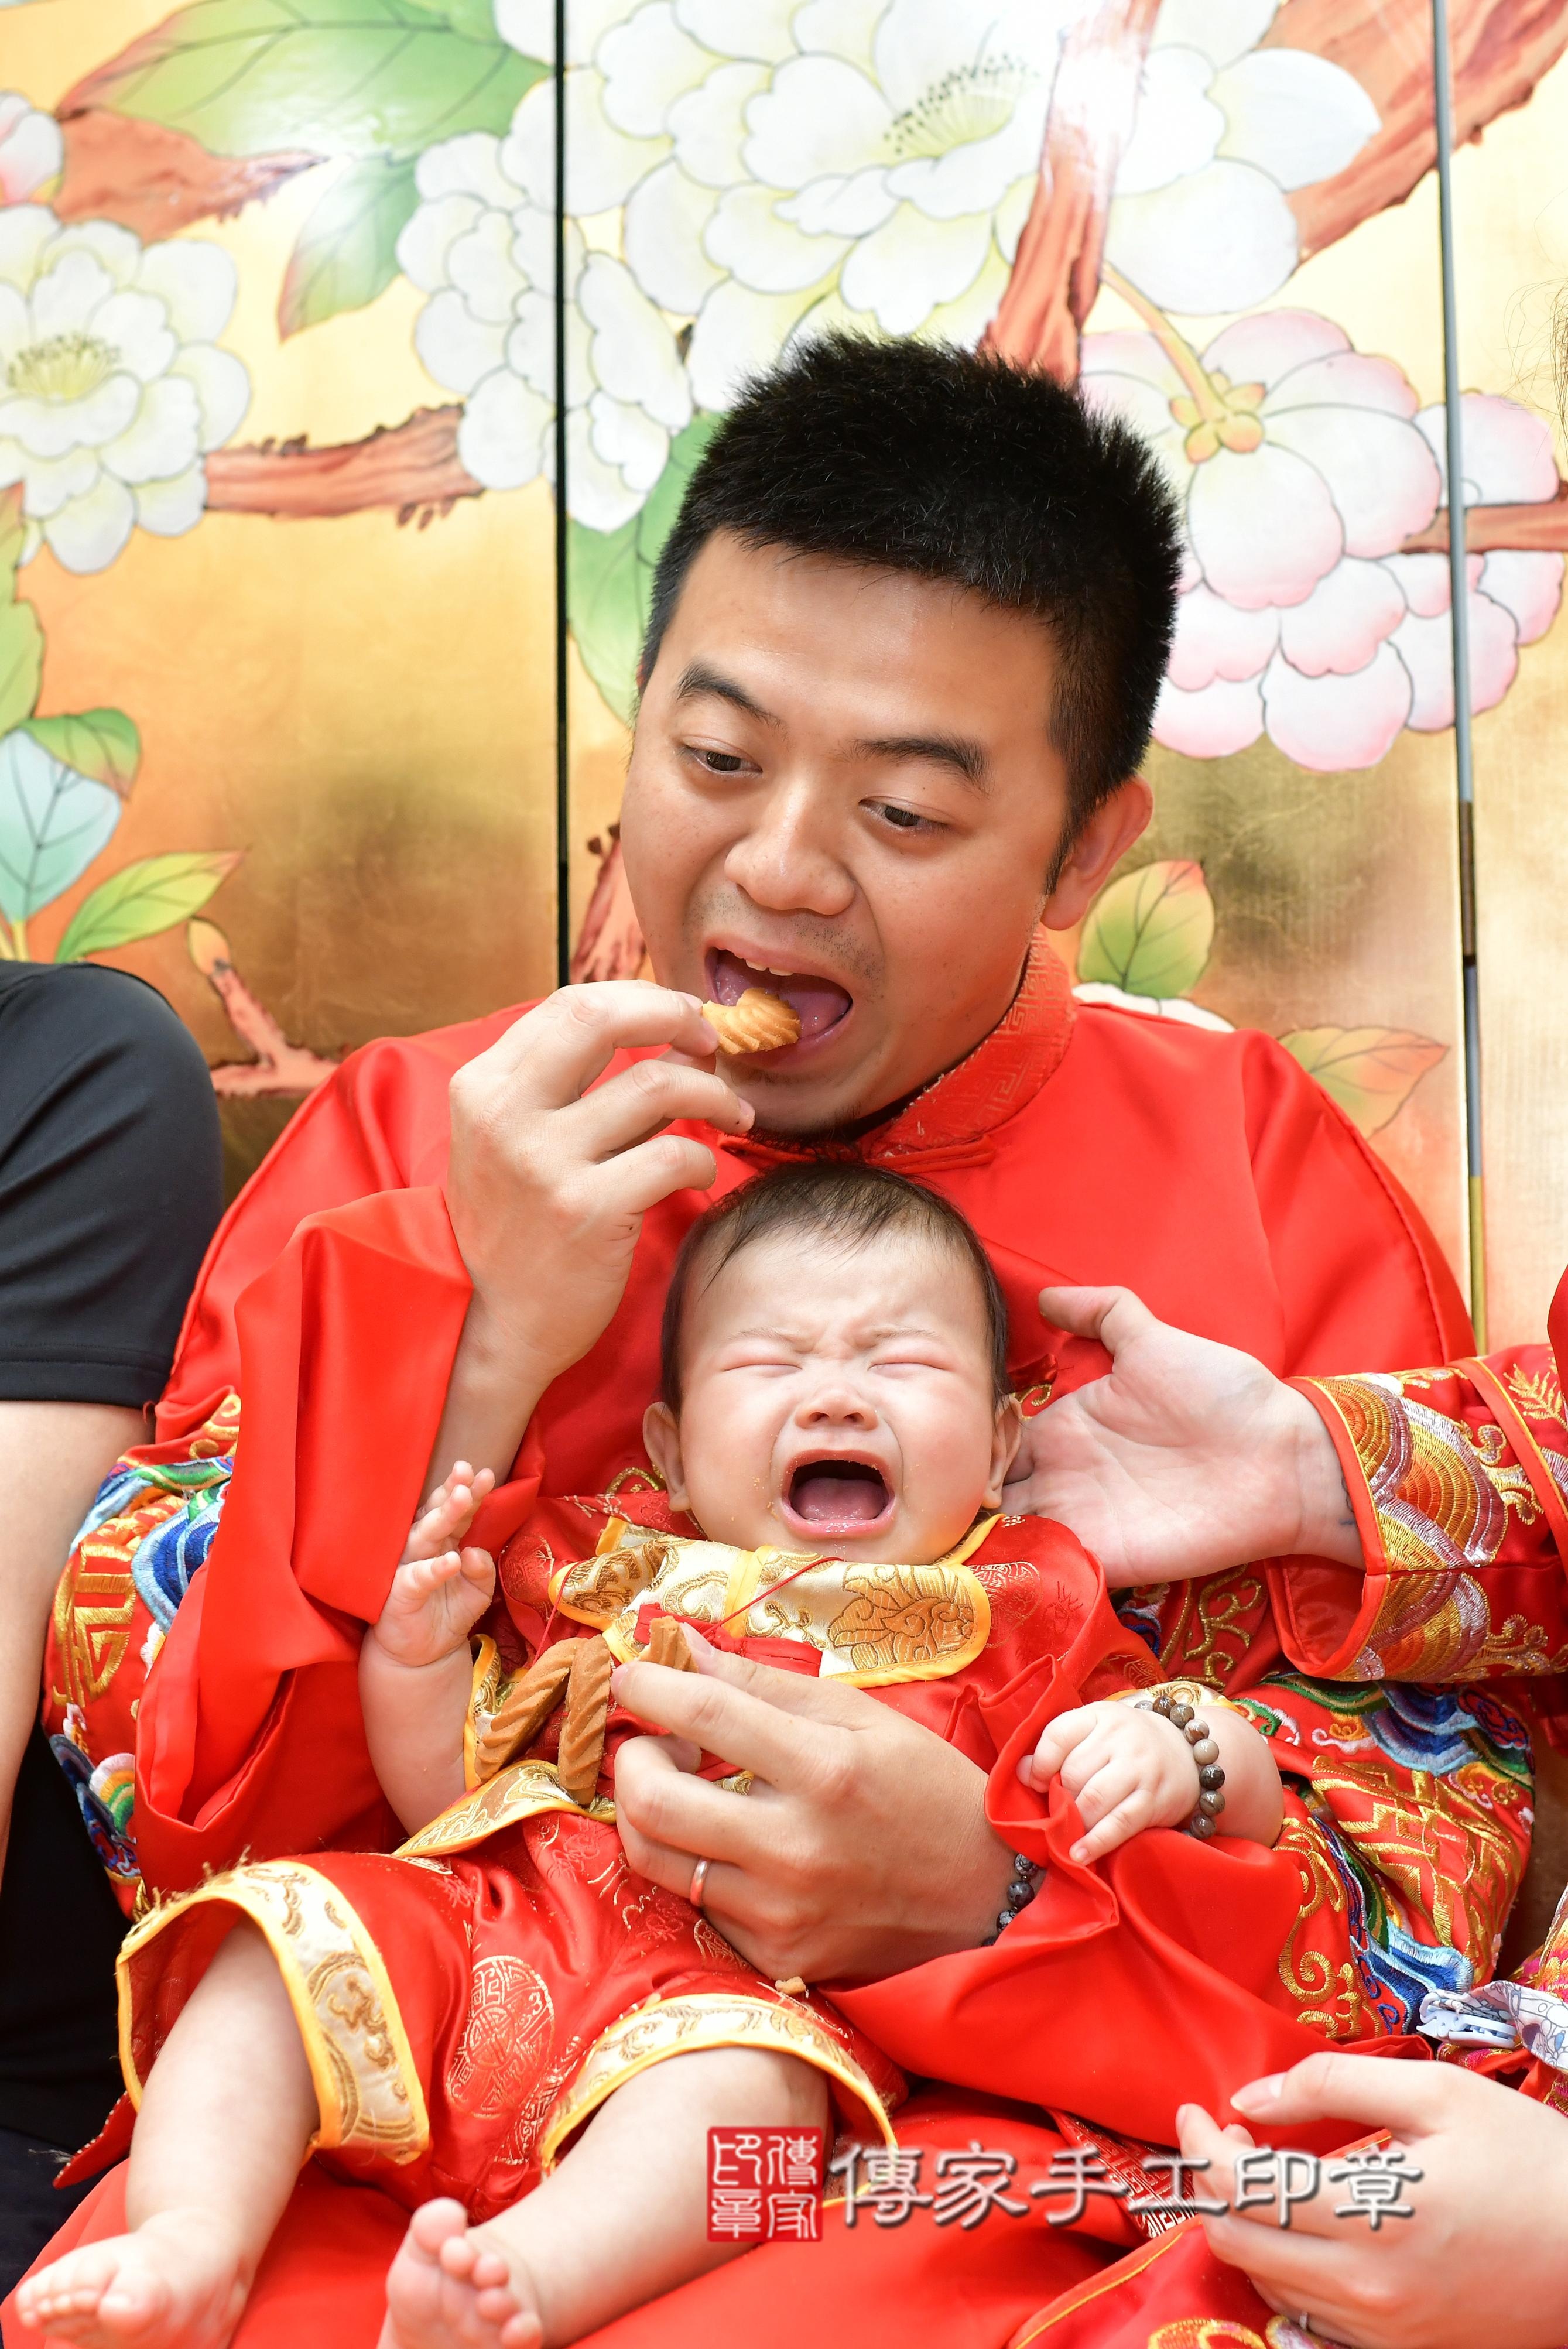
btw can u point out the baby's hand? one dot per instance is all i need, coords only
(440, 1589)
(1125, 1769)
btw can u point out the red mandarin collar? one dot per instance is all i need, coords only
(952, 1122)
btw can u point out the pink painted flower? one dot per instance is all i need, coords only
(1303, 467)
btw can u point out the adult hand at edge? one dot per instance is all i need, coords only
(1483, 2258)
(863, 1848)
(1186, 1457)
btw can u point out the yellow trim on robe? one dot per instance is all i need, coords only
(367, 2092)
(520, 1792)
(684, 2025)
(874, 1625)
(484, 1696)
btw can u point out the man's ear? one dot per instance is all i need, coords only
(661, 1441)
(1103, 839)
(1005, 1438)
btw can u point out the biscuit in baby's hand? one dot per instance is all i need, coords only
(759, 1023)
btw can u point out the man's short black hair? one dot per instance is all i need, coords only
(955, 466)
(840, 1200)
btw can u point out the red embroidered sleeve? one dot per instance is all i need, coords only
(1459, 1478)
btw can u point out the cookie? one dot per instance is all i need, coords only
(587, 1710)
(667, 1645)
(524, 1709)
(759, 1022)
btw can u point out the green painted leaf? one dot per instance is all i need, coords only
(1371, 1073)
(52, 822)
(12, 538)
(331, 76)
(101, 744)
(346, 251)
(1150, 932)
(609, 576)
(152, 894)
(21, 663)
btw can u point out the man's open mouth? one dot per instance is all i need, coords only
(819, 1004)
(834, 1496)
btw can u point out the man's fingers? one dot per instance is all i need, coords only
(642, 1100)
(669, 1818)
(568, 1040)
(1113, 1315)
(1296, 2271)
(1404, 2097)
(751, 1732)
(639, 1179)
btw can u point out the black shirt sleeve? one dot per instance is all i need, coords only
(110, 1182)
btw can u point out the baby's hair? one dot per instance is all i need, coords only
(839, 1200)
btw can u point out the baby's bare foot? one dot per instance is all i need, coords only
(449, 2289)
(178, 2278)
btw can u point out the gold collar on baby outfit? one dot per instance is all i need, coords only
(872, 1625)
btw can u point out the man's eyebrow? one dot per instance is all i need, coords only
(699, 678)
(955, 750)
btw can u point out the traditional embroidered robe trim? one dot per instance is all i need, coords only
(681, 2026)
(368, 2090)
(873, 1625)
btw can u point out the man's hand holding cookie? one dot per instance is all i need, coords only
(550, 1175)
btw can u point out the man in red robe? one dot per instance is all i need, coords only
(905, 643)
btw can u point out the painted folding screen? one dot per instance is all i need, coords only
(283, 285)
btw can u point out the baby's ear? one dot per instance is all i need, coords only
(661, 1440)
(1006, 1436)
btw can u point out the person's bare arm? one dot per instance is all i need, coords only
(1481, 2260)
(1186, 1458)
(863, 1848)
(415, 1664)
(550, 1175)
(53, 1458)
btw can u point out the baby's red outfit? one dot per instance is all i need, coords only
(470, 2000)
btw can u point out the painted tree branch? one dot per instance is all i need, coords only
(156, 181)
(1501, 49)
(1491, 530)
(1057, 270)
(411, 468)
(279, 1068)
(609, 944)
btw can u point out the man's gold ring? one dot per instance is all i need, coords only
(698, 1878)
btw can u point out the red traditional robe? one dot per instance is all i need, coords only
(1206, 1172)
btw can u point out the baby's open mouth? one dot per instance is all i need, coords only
(837, 1496)
(819, 1004)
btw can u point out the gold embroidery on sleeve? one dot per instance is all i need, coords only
(681, 2026)
(368, 2091)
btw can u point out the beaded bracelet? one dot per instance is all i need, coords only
(1021, 1891)
(1205, 1753)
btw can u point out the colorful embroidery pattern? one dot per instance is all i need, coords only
(147, 1536)
(1408, 1815)
(1457, 1513)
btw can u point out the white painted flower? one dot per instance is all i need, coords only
(112, 387)
(868, 162)
(31, 148)
(1303, 467)
(485, 255)
(1224, 131)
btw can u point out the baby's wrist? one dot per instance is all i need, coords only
(1199, 1814)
